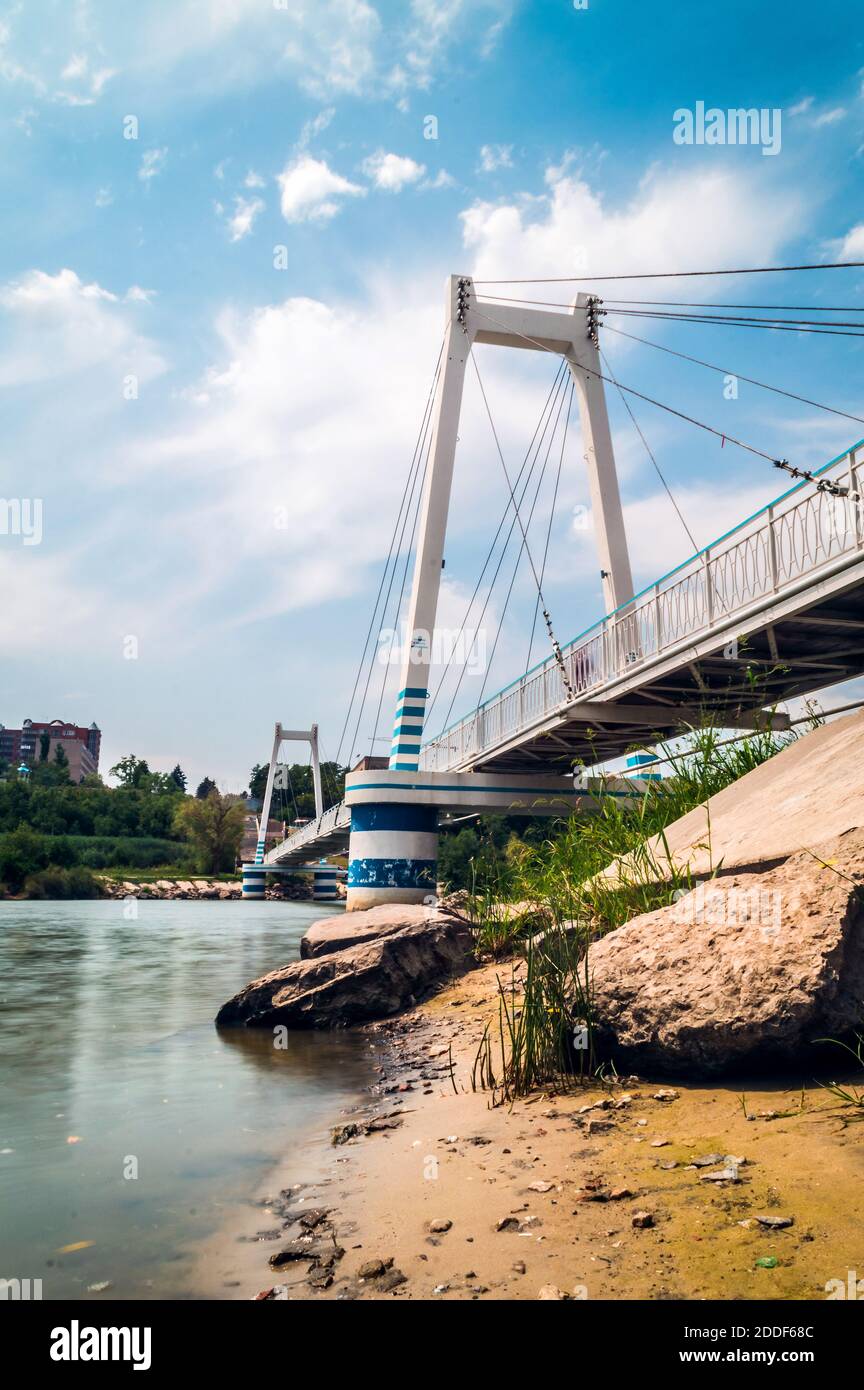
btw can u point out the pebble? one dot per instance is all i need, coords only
(519, 1267)
(440, 1226)
(550, 1293)
(775, 1223)
(722, 1175)
(642, 1220)
(665, 1094)
(508, 1223)
(540, 1186)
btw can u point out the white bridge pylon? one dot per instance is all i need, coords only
(281, 736)
(571, 335)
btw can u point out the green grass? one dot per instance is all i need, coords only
(168, 871)
(544, 1032)
(851, 1099)
(561, 884)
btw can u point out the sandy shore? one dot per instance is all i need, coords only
(598, 1203)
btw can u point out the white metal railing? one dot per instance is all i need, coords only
(335, 817)
(794, 536)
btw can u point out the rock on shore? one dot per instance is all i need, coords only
(398, 955)
(169, 888)
(747, 970)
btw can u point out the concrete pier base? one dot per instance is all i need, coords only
(325, 877)
(393, 854)
(254, 882)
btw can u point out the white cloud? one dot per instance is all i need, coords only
(56, 326)
(704, 218)
(152, 163)
(853, 244)
(311, 190)
(494, 157)
(837, 113)
(315, 126)
(253, 180)
(437, 24)
(801, 107)
(269, 425)
(176, 48)
(246, 210)
(392, 172)
(441, 180)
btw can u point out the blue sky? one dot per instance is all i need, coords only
(232, 516)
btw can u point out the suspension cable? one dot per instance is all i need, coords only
(569, 396)
(548, 406)
(556, 648)
(398, 607)
(551, 519)
(773, 326)
(558, 388)
(676, 274)
(630, 390)
(638, 429)
(411, 473)
(680, 304)
(725, 371)
(425, 447)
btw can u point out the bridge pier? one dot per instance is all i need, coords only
(392, 854)
(324, 880)
(393, 845)
(254, 883)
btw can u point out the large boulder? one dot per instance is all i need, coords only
(353, 928)
(371, 979)
(747, 970)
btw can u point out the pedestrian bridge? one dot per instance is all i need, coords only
(769, 611)
(773, 609)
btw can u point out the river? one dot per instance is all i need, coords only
(130, 1128)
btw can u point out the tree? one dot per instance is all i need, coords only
(258, 780)
(60, 757)
(214, 826)
(178, 777)
(130, 771)
(22, 852)
(205, 788)
(44, 745)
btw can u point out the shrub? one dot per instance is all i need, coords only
(57, 882)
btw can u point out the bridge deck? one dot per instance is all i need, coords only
(787, 584)
(780, 598)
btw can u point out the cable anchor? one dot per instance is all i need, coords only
(462, 297)
(593, 314)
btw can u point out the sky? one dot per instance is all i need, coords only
(226, 230)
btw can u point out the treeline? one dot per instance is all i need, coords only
(56, 834)
(293, 790)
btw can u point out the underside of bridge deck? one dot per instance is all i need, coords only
(725, 679)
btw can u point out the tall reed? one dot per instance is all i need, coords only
(590, 875)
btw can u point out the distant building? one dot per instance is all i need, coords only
(371, 763)
(80, 745)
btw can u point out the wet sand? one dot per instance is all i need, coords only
(565, 1181)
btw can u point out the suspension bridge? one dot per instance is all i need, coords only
(769, 611)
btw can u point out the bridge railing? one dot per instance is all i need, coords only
(311, 832)
(795, 535)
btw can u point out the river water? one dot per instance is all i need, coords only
(129, 1127)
